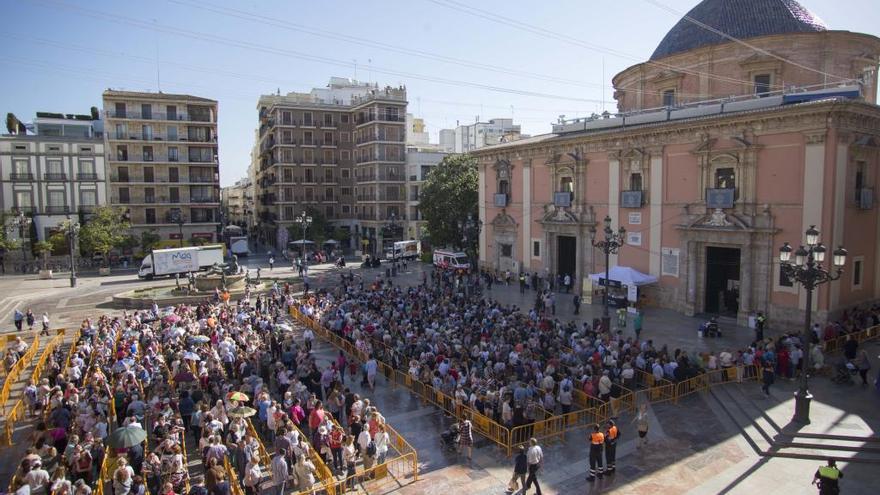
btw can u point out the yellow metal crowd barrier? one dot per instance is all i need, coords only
(837, 343)
(12, 377)
(590, 410)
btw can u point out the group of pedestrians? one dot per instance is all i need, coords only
(19, 319)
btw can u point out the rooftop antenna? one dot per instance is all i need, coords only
(603, 84)
(156, 42)
(355, 68)
(369, 69)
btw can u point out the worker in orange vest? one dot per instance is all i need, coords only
(597, 440)
(611, 435)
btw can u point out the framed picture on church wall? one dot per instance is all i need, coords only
(635, 218)
(634, 238)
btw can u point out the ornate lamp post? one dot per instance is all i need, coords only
(177, 217)
(807, 270)
(305, 221)
(72, 233)
(22, 222)
(609, 245)
(390, 230)
(470, 232)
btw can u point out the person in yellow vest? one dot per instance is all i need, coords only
(828, 478)
(597, 441)
(611, 435)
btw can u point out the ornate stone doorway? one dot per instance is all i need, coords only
(722, 280)
(566, 256)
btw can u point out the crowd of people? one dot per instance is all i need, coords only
(508, 363)
(222, 382)
(232, 382)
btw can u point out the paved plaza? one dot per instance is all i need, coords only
(704, 444)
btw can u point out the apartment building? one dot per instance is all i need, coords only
(237, 202)
(420, 160)
(339, 151)
(470, 137)
(53, 170)
(163, 162)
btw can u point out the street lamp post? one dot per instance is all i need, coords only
(178, 219)
(391, 229)
(22, 222)
(807, 270)
(72, 233)
(305, 221)
(470, 231)
(611, 244)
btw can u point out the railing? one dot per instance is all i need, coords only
(179, 117)
(549, 427)
(57, 209)
(23, 362)
(86, 176)
(54, 176)
(18, 176)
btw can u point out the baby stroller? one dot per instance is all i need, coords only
(449, 438)
(710, 328)
(845, 371)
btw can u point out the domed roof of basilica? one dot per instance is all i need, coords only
(740, 19)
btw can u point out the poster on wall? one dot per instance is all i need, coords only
(635, 218)
(632, 293)
(669, 262)
(634, 238)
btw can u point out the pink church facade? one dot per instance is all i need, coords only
(707, 188)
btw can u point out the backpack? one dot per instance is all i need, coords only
(371, 449)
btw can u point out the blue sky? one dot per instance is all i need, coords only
(58, 55)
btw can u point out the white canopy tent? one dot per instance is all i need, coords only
(626, 276)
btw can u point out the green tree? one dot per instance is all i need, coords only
(58, 240)
(149, 238)
(106, 230)
(42, 249)
(449, 195)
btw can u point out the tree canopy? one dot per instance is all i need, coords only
(106, 230)
(448, 197)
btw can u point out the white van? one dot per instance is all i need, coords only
(452, 260)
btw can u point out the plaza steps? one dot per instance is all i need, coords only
(742, 406)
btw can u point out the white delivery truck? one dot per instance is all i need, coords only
(239, 246)
(168, 262)
(404, 250)
(451, 260)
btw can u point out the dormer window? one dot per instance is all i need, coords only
(762, 85)
(669, 98)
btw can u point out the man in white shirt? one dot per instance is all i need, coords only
(38, 479)
(535, 457)
(279, 471)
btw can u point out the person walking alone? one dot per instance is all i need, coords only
(597, 441)
(769, 376)
(577, 304)
(520, 470)
(611, 436)
(641, 421)
(828, 478)
(760, 321)
(863, 364)
(18, 318)
(535, 458)
(45, 330)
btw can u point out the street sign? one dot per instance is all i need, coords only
(610, 283)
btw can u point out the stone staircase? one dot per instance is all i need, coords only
(741, 405)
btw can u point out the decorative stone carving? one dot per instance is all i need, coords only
(553, 213)
(718, 219)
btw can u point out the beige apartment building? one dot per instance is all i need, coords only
(163, 163)
(339, 151)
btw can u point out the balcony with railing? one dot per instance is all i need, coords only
(21, 176)
(55, 176)
(160, 138)
(381, 117)
(170, 117)
(87, 176)
(57, 209)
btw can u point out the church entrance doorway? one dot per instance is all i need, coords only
(566, 255)
(722, 281)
